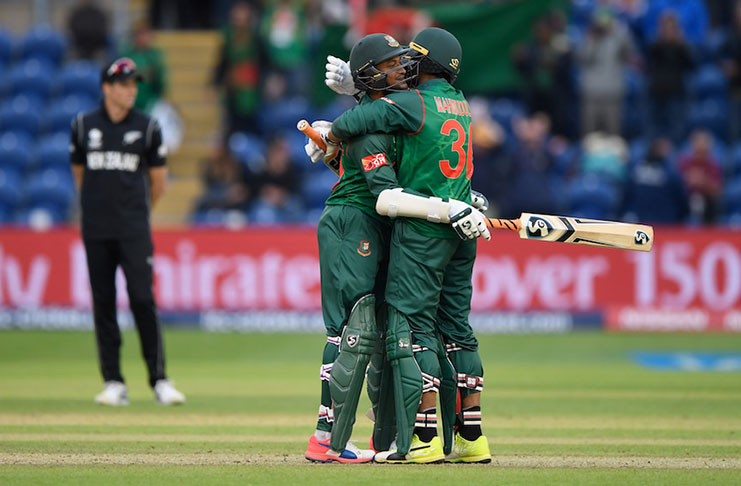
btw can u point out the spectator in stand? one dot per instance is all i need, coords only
(238, 70)
(225, 181)
(669, 65)
(151, 64)
(284, 35)
(88, 27)
(732, 68)
(605, 156)
(529, 170)
(276, 187)
(703, 177)
(654, 192)
(602, 58)
(535, 62)
(488, 138)
(691, 14)
(565, 118)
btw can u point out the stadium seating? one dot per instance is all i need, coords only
(710, 114)
(6, 48)
(32, 77)
(52, 189)
(708, 81)
(44, 43)
(52, 152)
(593, 197)
(283, 115)
(317, 187)
(80, 78)
(11, 194)
(248, 149)
(15, 154)
(20, 114)
(61, 112)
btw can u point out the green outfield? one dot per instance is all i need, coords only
(558, 409)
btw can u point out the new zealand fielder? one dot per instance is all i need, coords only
(118, 161)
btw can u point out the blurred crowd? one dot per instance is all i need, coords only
(624, 109)
(627, 109)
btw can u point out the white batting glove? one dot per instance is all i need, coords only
(479, 201)
(338, 77)
(467, 221)
(312, 150)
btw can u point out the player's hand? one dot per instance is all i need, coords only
(467, 221)
(338, 77)
(479, 201)
(312, 150)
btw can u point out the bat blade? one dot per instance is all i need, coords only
(582, 231)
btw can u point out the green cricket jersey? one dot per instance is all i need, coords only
(434, 144)
(366, 169)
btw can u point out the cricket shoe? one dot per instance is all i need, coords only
(114, 394)
(419, 453)
(319, 451)
(469, 451)
(166, 394)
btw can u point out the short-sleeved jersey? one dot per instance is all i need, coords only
(434, 147)
(366, 169)
(115, 185)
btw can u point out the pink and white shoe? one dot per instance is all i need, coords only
(319, 451)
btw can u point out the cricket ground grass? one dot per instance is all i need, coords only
(558, 409)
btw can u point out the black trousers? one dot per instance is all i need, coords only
(134, 255)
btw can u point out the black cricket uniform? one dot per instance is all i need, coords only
(115, 205)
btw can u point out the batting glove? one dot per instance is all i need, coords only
(467, 221)
(312, 150)
(338, 77)
(479, 201)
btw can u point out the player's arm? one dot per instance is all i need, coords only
(393, 200)
(156, 161)
(397, 112)
(157, 183)
(76, 154)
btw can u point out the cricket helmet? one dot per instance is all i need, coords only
(438, 52)
(370, 51)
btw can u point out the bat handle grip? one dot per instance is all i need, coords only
(510, 224)
(305, 127)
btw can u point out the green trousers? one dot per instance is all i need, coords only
(429, 281)
(353, 256)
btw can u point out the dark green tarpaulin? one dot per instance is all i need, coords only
(487, 31)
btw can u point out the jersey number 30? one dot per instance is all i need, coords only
(465, 156)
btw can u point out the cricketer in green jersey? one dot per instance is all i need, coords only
(434, 159)
(365, 173)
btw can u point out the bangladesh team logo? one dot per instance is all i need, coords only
(538, 227)
(364, 248)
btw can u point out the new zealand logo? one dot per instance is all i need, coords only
(538, 227)
(641, 238)
(131, 137)
(352, 340)
(364, 248)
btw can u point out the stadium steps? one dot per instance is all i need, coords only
(190, 57)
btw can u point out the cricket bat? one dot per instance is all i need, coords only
(305, 127)
(579, 231)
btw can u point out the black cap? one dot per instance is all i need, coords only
(122, 69)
